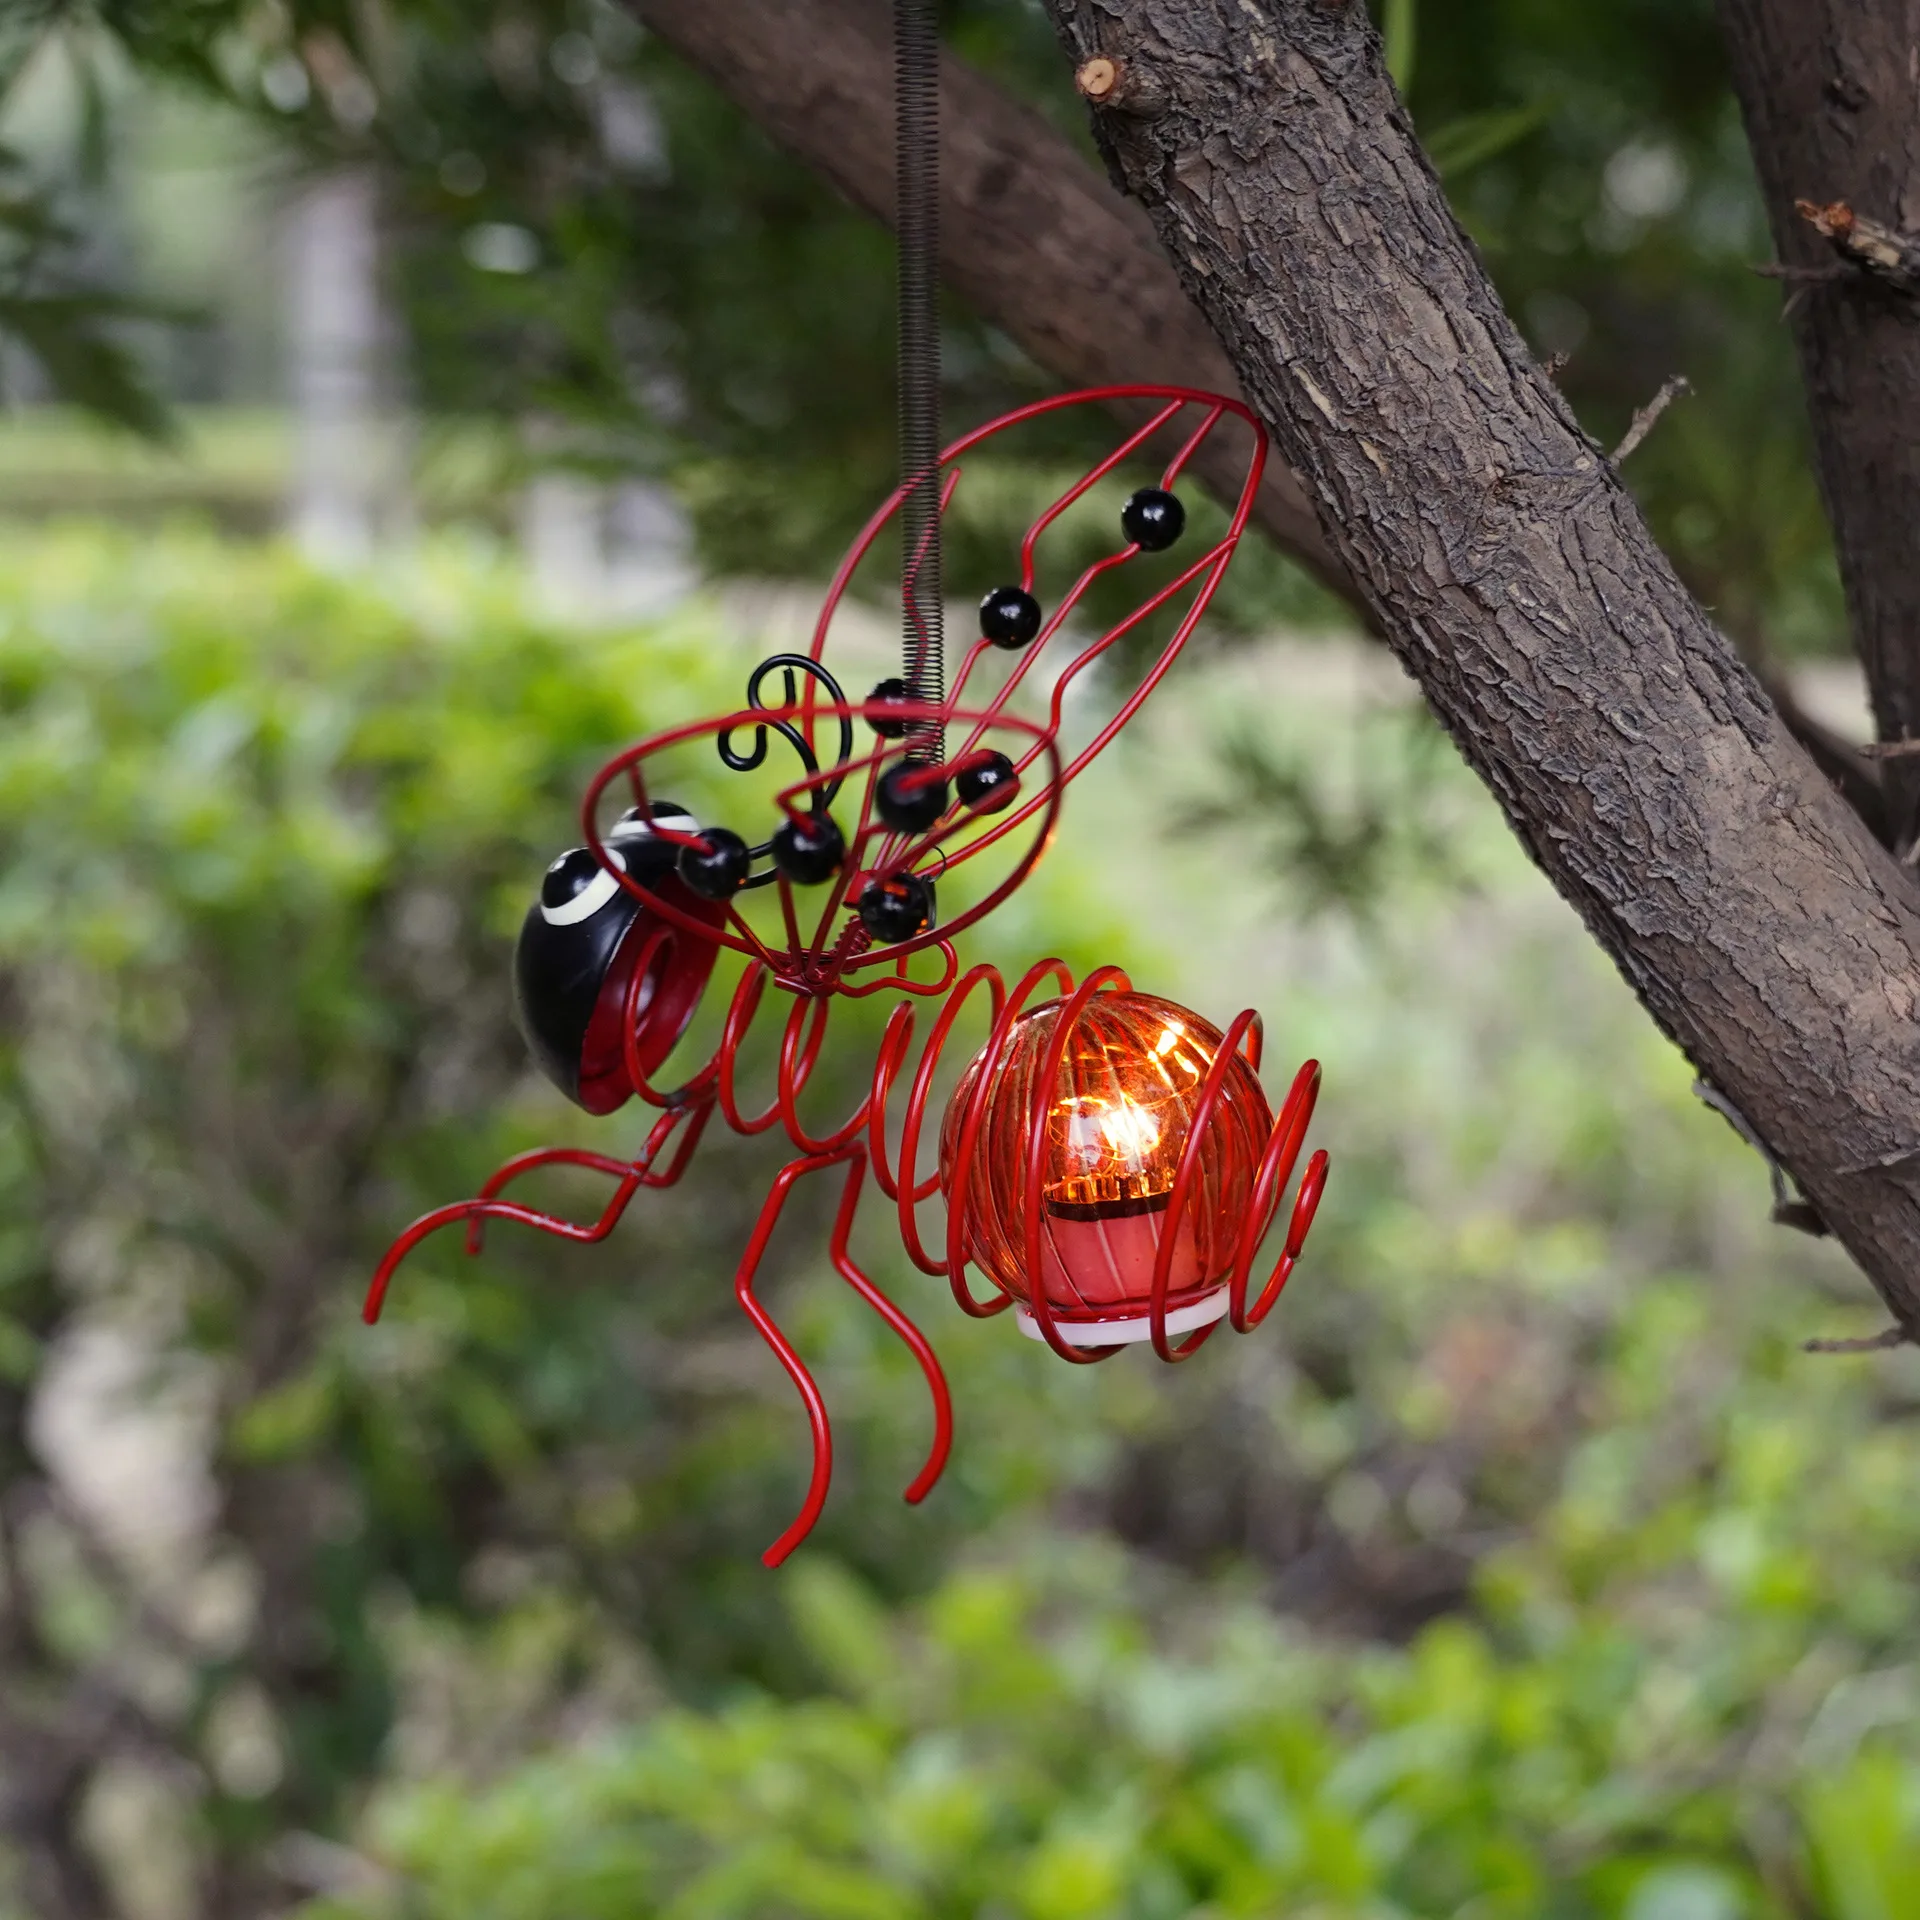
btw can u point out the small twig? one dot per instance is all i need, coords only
(1648, 416)
(1789, 1209)
(1554, 365)
(1802, 276)
(1874, 1343)
(1890, 749)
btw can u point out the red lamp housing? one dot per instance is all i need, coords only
(1118, 1146)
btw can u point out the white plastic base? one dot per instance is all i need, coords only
(1120, 1333)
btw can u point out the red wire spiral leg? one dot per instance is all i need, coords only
(967, 1142)
(916, 1341)
(1185, 1179)
(691, 1119)
(632, 1175)
(910, 1189)
(768, 1331)
(1270, 1183)
(1038, 1305)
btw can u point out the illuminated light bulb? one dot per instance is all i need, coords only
(1117, 1117)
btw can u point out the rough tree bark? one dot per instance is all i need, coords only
(1634, 754)
(1030, 234)
(1828, 91)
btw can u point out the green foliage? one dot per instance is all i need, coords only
(1666, 1705)
(1352, 846)
(68, 326)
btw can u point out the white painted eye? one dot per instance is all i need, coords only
(577, 886)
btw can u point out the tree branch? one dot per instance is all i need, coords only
(1826, 90)
(1633, 753)
(1030, 235)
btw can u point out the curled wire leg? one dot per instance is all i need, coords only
(692, 1119)
(471, 1211)
(1270, 1185)
(916, 1341)
(526, 1163)
(630, 1176)
(1306, 1204)
(783, 1349)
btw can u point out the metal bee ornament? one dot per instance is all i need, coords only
(1110, 1164)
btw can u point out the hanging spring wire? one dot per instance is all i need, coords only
(916, 43)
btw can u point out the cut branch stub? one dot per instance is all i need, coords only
(1883, 253)
(1119, 88)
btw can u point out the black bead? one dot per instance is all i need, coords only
(717, 868)
(887, 693)
(908, 800)
(987, 784)
(1009, 617)
(896, 907)
(569, 876)
(1153, 519)
(809, 851)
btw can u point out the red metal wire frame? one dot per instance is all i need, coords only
(822, 965)
(967, 1141)
(821, 1477)
(740, 1011)
(810, 693)
(1090, 396)
(633, 1175)
(1217, 407)
(908, 1191)
(1270, 1182)
(703, 1083)
(1221, 552)
(1130, 444)
(1217, 560)
(899, 981)
(1180, 1198)
(803, 1381)
(909, 850)
(916, 1342)
(796, 1068)
(1253, 1043)
(1038, 1305)
(896, 1042)
(692, 1121)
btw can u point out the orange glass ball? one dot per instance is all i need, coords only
(1117, 1113)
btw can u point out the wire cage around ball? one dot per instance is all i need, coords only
(1122, 1149)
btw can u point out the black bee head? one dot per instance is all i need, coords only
(573, 966)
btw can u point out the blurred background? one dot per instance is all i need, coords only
(407, 404)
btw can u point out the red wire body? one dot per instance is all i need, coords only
(836, 958)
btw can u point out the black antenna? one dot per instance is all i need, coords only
(916, 47)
